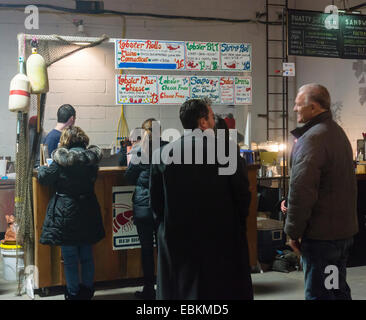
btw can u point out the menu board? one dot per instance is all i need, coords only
(202, 87)
(243, 90)
(353, 36)
(227, 90)
(136, 89)
(179, 55)
(308, 36)
(188, 56)
(171, 89)
(202, 56)
(149, 54)
(236, 56)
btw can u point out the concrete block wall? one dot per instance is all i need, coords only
(86, 79)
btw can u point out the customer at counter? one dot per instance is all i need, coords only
(138, 173)
(73, 219)
(321, 217)
(200, 214)
(65, 118)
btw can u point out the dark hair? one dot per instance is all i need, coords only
(65, 112)
(192, 110)
(220, 123)
(73, 137)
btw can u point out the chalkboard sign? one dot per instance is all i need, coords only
(308, 36)
(353, 36)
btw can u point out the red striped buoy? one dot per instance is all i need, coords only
(19, 96)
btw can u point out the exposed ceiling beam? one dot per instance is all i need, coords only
(358, 6)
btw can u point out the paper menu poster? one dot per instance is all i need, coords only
(227, 90)
(202, 56)
(202, 87)
(136, 89)
(149, 54)
(243, 90)
(236, 57)
(173, 89)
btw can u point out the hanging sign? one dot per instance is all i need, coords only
(243, 90)
(236, 56)
(202, 87)
(136, 89)
(202, 56)
(149, 54)
(180, 55)
(124, 231)
(288, 69)
(227, 90)
(317, 34)
(173, 89)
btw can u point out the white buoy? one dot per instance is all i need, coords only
(37, 72)
(19, 95)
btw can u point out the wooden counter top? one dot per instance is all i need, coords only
(361, 176)
(111, 264)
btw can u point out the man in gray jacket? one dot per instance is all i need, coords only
(321, 217)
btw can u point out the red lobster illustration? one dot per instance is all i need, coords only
(123, 220)
(192, 64)
(231, 66)
(172, 48)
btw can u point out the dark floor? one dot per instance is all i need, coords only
(269, 285)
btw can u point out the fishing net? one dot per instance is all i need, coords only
(29, 134)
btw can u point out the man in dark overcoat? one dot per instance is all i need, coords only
(201, 213)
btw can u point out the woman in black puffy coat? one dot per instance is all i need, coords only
(73, 219)
(138, 174)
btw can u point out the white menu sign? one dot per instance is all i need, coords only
(243, 90)
(236, 57)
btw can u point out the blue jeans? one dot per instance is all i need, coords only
(72, 255)
(316, 256)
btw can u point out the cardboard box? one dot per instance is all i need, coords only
(270, 238)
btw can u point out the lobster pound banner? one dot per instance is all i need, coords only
(124, 231)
